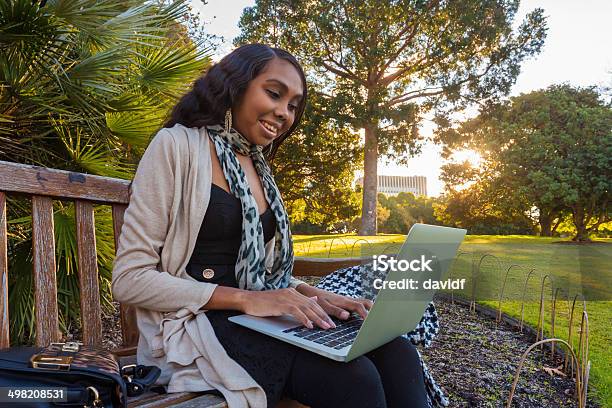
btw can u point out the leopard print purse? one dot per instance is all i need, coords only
(70, 375)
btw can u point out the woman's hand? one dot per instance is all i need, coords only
(337, 305)
(286, 301)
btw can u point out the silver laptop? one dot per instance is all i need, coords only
(428, 253)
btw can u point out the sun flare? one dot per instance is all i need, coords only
(469, 155)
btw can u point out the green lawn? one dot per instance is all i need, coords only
(577, 269)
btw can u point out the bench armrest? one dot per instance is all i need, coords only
(304, 266)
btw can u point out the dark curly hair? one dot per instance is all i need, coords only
(224, 83)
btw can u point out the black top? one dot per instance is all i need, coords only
(220, 236)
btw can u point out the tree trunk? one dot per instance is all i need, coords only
(370, 184)
(582, 234)
(559, 220)
(545, 224)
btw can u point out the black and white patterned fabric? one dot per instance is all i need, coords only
(251, 273)
(357, 282)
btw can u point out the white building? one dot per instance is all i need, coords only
(393, 185)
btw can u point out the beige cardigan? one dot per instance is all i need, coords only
(168, 199)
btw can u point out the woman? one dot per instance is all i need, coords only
(206, 236)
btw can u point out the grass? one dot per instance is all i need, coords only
(576, 269)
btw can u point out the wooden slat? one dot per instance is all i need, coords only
(91, 313)
(129, 329)
(178, 400)
(125, 352)
(118, 212)
(206, 401)
(21, 178)
(4, 308)
(287, 403)
(192, 400)
(45, 286)
(183, 399)
(151, 399)
(323, 266)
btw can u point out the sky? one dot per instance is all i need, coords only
(577, 50)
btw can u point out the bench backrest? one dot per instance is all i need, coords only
(44, 185)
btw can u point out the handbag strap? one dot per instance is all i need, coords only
(139, 378)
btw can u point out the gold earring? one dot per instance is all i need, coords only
(228, 120)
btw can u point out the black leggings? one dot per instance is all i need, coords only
(388, 376)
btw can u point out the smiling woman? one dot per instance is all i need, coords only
(269, 105)
(272, 89)
(206, 236)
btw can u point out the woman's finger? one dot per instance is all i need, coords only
(367, 303)
(300, 316)
(335, 310)
(322, 312)
(357, 307)
(311, 308)
(322, 321)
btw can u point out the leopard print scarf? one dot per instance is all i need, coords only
(251, 273)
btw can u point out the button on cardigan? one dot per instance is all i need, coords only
(168, 200)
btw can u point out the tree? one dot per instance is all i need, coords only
(84, 85)
(472, 208)
(382, 65)
(314, 170)
(551, 149)
(488, 199)
(404, 210)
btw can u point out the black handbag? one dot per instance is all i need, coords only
(69, 375)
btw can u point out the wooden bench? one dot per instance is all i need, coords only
(44, 185)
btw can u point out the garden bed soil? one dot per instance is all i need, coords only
(475, 360)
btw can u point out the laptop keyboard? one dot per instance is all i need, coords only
(343, 335)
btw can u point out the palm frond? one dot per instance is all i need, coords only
(90, 155)
(99, 71)
(21, 292)
(135, 128)
(84, 84)
(22, 23)
(158, 68)
(89, 16)
(65, 239)
(66, 260)
(106, 253)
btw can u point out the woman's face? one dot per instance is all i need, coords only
(269, 105)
